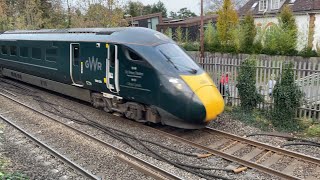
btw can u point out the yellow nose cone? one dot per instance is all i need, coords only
(207, 92)
(211, 100)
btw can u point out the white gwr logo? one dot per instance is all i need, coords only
(93, 64)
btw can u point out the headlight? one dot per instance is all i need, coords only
(178, 83)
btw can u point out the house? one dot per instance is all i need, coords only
(306, 12)
(148, 21)
(190, 24)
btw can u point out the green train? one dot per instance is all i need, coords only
(137, 73)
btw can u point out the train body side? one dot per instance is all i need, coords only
(138, 78)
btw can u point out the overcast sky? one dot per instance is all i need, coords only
(176, 5)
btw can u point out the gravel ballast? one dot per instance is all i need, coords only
(95, 158)
(223, 123)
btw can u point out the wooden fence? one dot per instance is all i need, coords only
(307, 76)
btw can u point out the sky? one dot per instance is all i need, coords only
(176, 5)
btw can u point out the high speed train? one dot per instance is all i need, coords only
(137, 73)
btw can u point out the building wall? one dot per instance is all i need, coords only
(150, 23)
(316, 41)
(154, 23)
(303, 31)
(302, 22)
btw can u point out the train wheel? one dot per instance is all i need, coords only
(135, 111)
(108, 105)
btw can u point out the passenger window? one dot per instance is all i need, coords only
(36, 53)
(13, 50)
(24, 52)
(51, 54)
(4, 49)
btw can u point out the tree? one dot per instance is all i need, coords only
(249, 31)
(103, 15)
(159, 7)
(227, 21)
(179, 35)
(33, 14)
(134, 8)
(168, 32)
(212, 6)
(211, 39)
(3, 15)
(184, 13)
(287, 23)
(173, 15)
(147, 9)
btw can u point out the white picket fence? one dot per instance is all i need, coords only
(307, 76)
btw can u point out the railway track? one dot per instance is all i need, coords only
(136, 162)
(261, 156)
(55, 153)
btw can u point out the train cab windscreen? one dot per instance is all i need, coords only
(178, 58)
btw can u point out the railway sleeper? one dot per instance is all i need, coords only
(130, 110)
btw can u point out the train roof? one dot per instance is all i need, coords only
(132, 35)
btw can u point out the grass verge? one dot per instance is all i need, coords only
(262, 120)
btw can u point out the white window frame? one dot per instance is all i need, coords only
(263, 5)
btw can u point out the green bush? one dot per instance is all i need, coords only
(191, 46)
(287, 99)
(308, 52)
(249, 96)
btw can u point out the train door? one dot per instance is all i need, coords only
(112, 68)
(75, 64)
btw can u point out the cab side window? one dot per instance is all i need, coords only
(131, 55)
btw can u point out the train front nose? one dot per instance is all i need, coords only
(211, 101)
(206, 102)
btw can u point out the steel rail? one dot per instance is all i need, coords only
(52, 151)
(157, 173)
(229, 157)
(285, 152)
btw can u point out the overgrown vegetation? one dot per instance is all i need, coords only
(229, 36)
(248, 93)
(287, 100)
